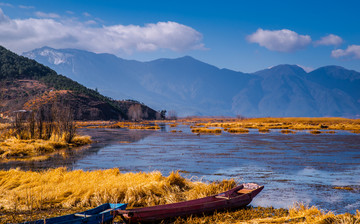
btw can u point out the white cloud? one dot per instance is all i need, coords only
(47, 15)
(3, 17)
(6, 4)
(22, 35)
(280, 40)
(86, 14)
(330, 39)
(26, 7)
(352, 51)
(91, 22)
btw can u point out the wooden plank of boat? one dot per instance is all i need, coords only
(237, 197)
(101, 214)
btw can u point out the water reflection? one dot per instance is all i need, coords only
(68, 158)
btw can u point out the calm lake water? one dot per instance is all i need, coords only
(297, 167)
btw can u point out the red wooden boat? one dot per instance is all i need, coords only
(237, 197)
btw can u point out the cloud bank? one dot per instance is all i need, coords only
(22, 35)
(280, 40)
(330, 39)
(352, 51)
(47, 15)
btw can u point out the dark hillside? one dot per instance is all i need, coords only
(25, 85)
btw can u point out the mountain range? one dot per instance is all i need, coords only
(191, 87)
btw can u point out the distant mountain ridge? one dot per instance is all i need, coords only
(26, 85)
(192, 87)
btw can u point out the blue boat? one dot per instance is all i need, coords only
(101, 214)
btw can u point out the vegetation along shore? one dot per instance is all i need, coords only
(29, 195)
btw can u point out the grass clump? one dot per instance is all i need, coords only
(294, 123)
(264, 130)
(174, 125)
(60, 188)
(81, 140)
(286, 131)
(36, 149)
(206, 130)
(299, 213)
(315, 132)
(144, 125)
(238, 130)
(28, 191)
(344, 188)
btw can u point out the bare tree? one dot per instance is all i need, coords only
(18, 124)
(46, 121)
(67, 124)
(172, 115)
(135, 112)
(31, 121)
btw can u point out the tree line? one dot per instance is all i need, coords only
(49, 121)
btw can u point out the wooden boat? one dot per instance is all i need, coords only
(101, 214)
(237, 197)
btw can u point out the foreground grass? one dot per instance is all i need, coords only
(296, 214)
(36, 149)
(27, 195)
(27, 191)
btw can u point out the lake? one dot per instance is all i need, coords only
(299, 167)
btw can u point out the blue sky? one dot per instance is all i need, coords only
(239, 35)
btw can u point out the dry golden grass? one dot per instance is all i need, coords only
(264, 125)
(80, 140)
(332, 123)
(296, 214)
(315, 132)
(264, 130)
(4, 125)
(330, 132)
(58, 191)
(344, 188)
(145, 125)
(90, 124)
(238, 130)
(206, 130)
(286, 131)
(37, 149)
(27, 190)
(173, 125)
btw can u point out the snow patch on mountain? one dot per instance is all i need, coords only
(53, 56)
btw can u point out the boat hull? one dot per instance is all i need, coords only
(227, 200)
(101, 214)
